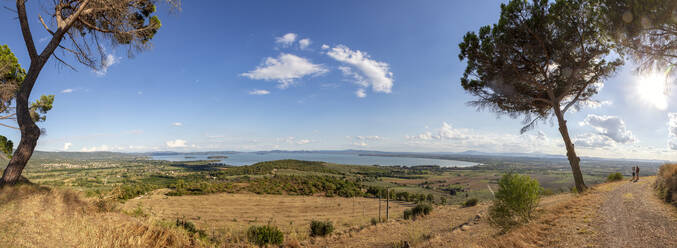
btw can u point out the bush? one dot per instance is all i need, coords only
(190, 227)
(264, 235)
(407, 214)
(419, 210)
(319, 228)
(515, 201)
(470, 202)
(375, 221)
(614, 177)
(666, 183)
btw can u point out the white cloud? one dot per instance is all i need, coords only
(285, 69)
(286, 40)
(362, 140)
(108, 61)
(259, 92)
(295, 141)
(325, 47)
(360, 93)
(177, 124)
(67, 91)
(304, 43)
(371, 73)
(96, 148)
(610, 126)
(592, 104)
(67, 145)
(445, 132)
(448, 138)
(373, 137)
(672, 131)
(178, 143)
(592, 140)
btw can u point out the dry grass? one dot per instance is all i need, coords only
(429, 231)
(227, 216)
(34, 216)
(666, 182)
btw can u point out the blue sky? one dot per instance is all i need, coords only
(306, 75)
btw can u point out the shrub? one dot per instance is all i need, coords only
(666, 183)
(190, 227)
(420, 210)
(614, 177)
(319, 228)
(374, 221)
(470, 202)
(264, 235)
(407, 214)
(515, 201)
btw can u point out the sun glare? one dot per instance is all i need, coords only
(651, 89)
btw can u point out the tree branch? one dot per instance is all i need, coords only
(45, 25)
(5, 125)
(25, 29)
(63, 62)
(64, 26)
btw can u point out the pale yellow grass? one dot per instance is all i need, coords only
(40, 217)
(229, 215)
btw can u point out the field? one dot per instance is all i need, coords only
(224, 201)
(227, 216)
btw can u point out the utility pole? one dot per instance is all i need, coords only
(387, 204)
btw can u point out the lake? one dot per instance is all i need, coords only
(248, 158)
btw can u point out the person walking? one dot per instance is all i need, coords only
(633, 174)
(637, 172)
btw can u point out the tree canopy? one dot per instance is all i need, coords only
(646, 30)
(540, 60)
(82, 29)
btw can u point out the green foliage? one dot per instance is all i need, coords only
(617, 176)
(320, 228)
(40, 107)
(470, 202)
(10, 69)
(418, 211)
(430, 198)
(190, 228)
(407, 214)
(11, 76)
(305, 185)
(264, 235)
(129, 191)
(267, 167)
(529, 36)
(643, 29)
(6, 147)
(138, 211)
(200, 187)
(516, 199)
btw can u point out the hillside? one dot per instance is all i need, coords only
(35, 216)
(621, 214)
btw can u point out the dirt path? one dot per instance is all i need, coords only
(631, 216)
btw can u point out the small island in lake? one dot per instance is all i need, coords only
(217, 157)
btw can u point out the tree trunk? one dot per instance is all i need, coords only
(29, 131)
(574, 160)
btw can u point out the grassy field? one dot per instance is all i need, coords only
(226, 217)
(223, 201)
